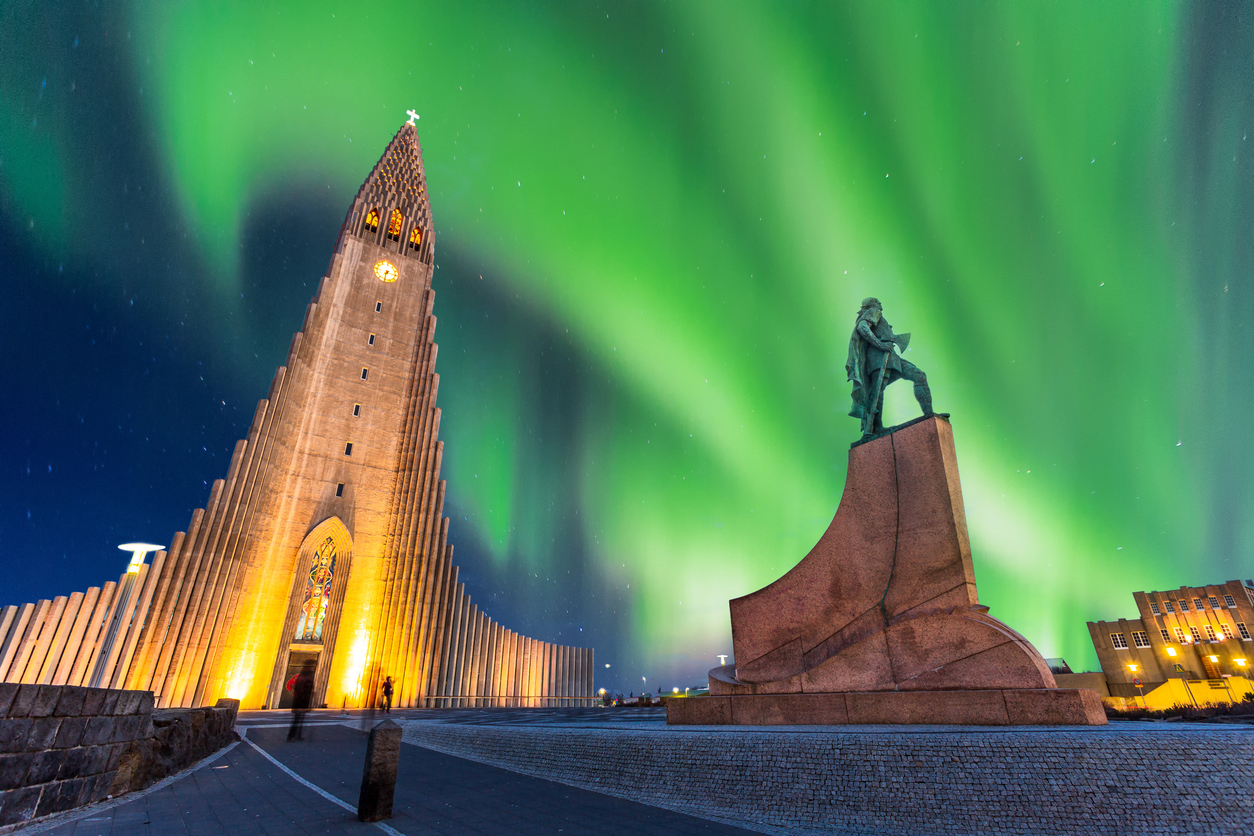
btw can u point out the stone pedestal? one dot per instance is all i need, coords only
(880, 622)
(378, 779)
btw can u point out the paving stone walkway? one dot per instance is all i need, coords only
(243, 792)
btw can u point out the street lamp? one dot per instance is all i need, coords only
(1136, 680)
(103, 673)
(138, 552)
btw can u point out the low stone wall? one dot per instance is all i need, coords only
(64, 746)
(1118, 779)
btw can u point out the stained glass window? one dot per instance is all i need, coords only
(372, 220)
(415, 238)
(394, 225)
(313, 610)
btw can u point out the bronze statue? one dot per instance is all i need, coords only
(873, 364)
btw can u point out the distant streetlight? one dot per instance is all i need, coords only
(722, 658)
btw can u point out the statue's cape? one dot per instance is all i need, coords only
(856, 368)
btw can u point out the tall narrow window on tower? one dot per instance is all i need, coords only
(372, 221)
(415, 238)
(394, 225)
(313, 610)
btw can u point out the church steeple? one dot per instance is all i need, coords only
(391, 208)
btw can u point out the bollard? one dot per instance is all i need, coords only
(378, 779)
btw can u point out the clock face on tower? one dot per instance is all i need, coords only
(386, 271)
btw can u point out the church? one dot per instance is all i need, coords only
(326, 541)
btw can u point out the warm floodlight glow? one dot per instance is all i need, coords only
(1171, 651)
(1240, 662)
(674, 690)
(138, 552)
(602, 692)
(1214, 658)
(1132, 668)
(722, 658)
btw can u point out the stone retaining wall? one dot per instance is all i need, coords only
(1122, 779)
(64, 746)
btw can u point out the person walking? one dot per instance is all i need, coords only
(387, 695)
(301, 686)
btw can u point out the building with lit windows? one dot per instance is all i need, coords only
(1189, 645)
(326, 543)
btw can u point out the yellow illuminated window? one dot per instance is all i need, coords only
(415, 238)
(372, 220)
(394, 225)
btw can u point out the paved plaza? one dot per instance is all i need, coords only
(243, 792)
(625, 771)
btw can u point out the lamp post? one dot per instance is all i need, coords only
(121, 611)
(1136, 680)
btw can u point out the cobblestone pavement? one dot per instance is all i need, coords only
(244, 793)
(1125, 779)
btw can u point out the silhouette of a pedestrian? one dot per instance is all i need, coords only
(387, 695)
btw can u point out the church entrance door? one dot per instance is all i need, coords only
(295, 661)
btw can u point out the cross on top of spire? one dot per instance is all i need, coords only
(413, 116)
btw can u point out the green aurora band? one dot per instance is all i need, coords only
(684, 203)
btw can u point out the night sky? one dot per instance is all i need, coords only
(655, 223)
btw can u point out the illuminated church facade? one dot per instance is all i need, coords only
(326, 541)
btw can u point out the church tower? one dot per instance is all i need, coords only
(326, 542)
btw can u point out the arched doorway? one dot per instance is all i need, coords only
(313, 612)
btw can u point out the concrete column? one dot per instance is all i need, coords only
(485, 676)
(512, 679)
(8, 617)
(472, 656)
(56, 647)
(494, 667)
(507, 671)
(17, 670)
(525, 690)
(42, 644)
(13, 640)
(454, 649)
(75, 639)
(562, 691)
(546, 674)
(90, 647)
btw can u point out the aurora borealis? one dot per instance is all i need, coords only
(655, 222)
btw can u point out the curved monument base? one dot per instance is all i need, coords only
(1009, 707)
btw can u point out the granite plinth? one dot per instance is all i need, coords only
(885, 605)
(1009, 707)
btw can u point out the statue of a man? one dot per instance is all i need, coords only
(873, 364)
